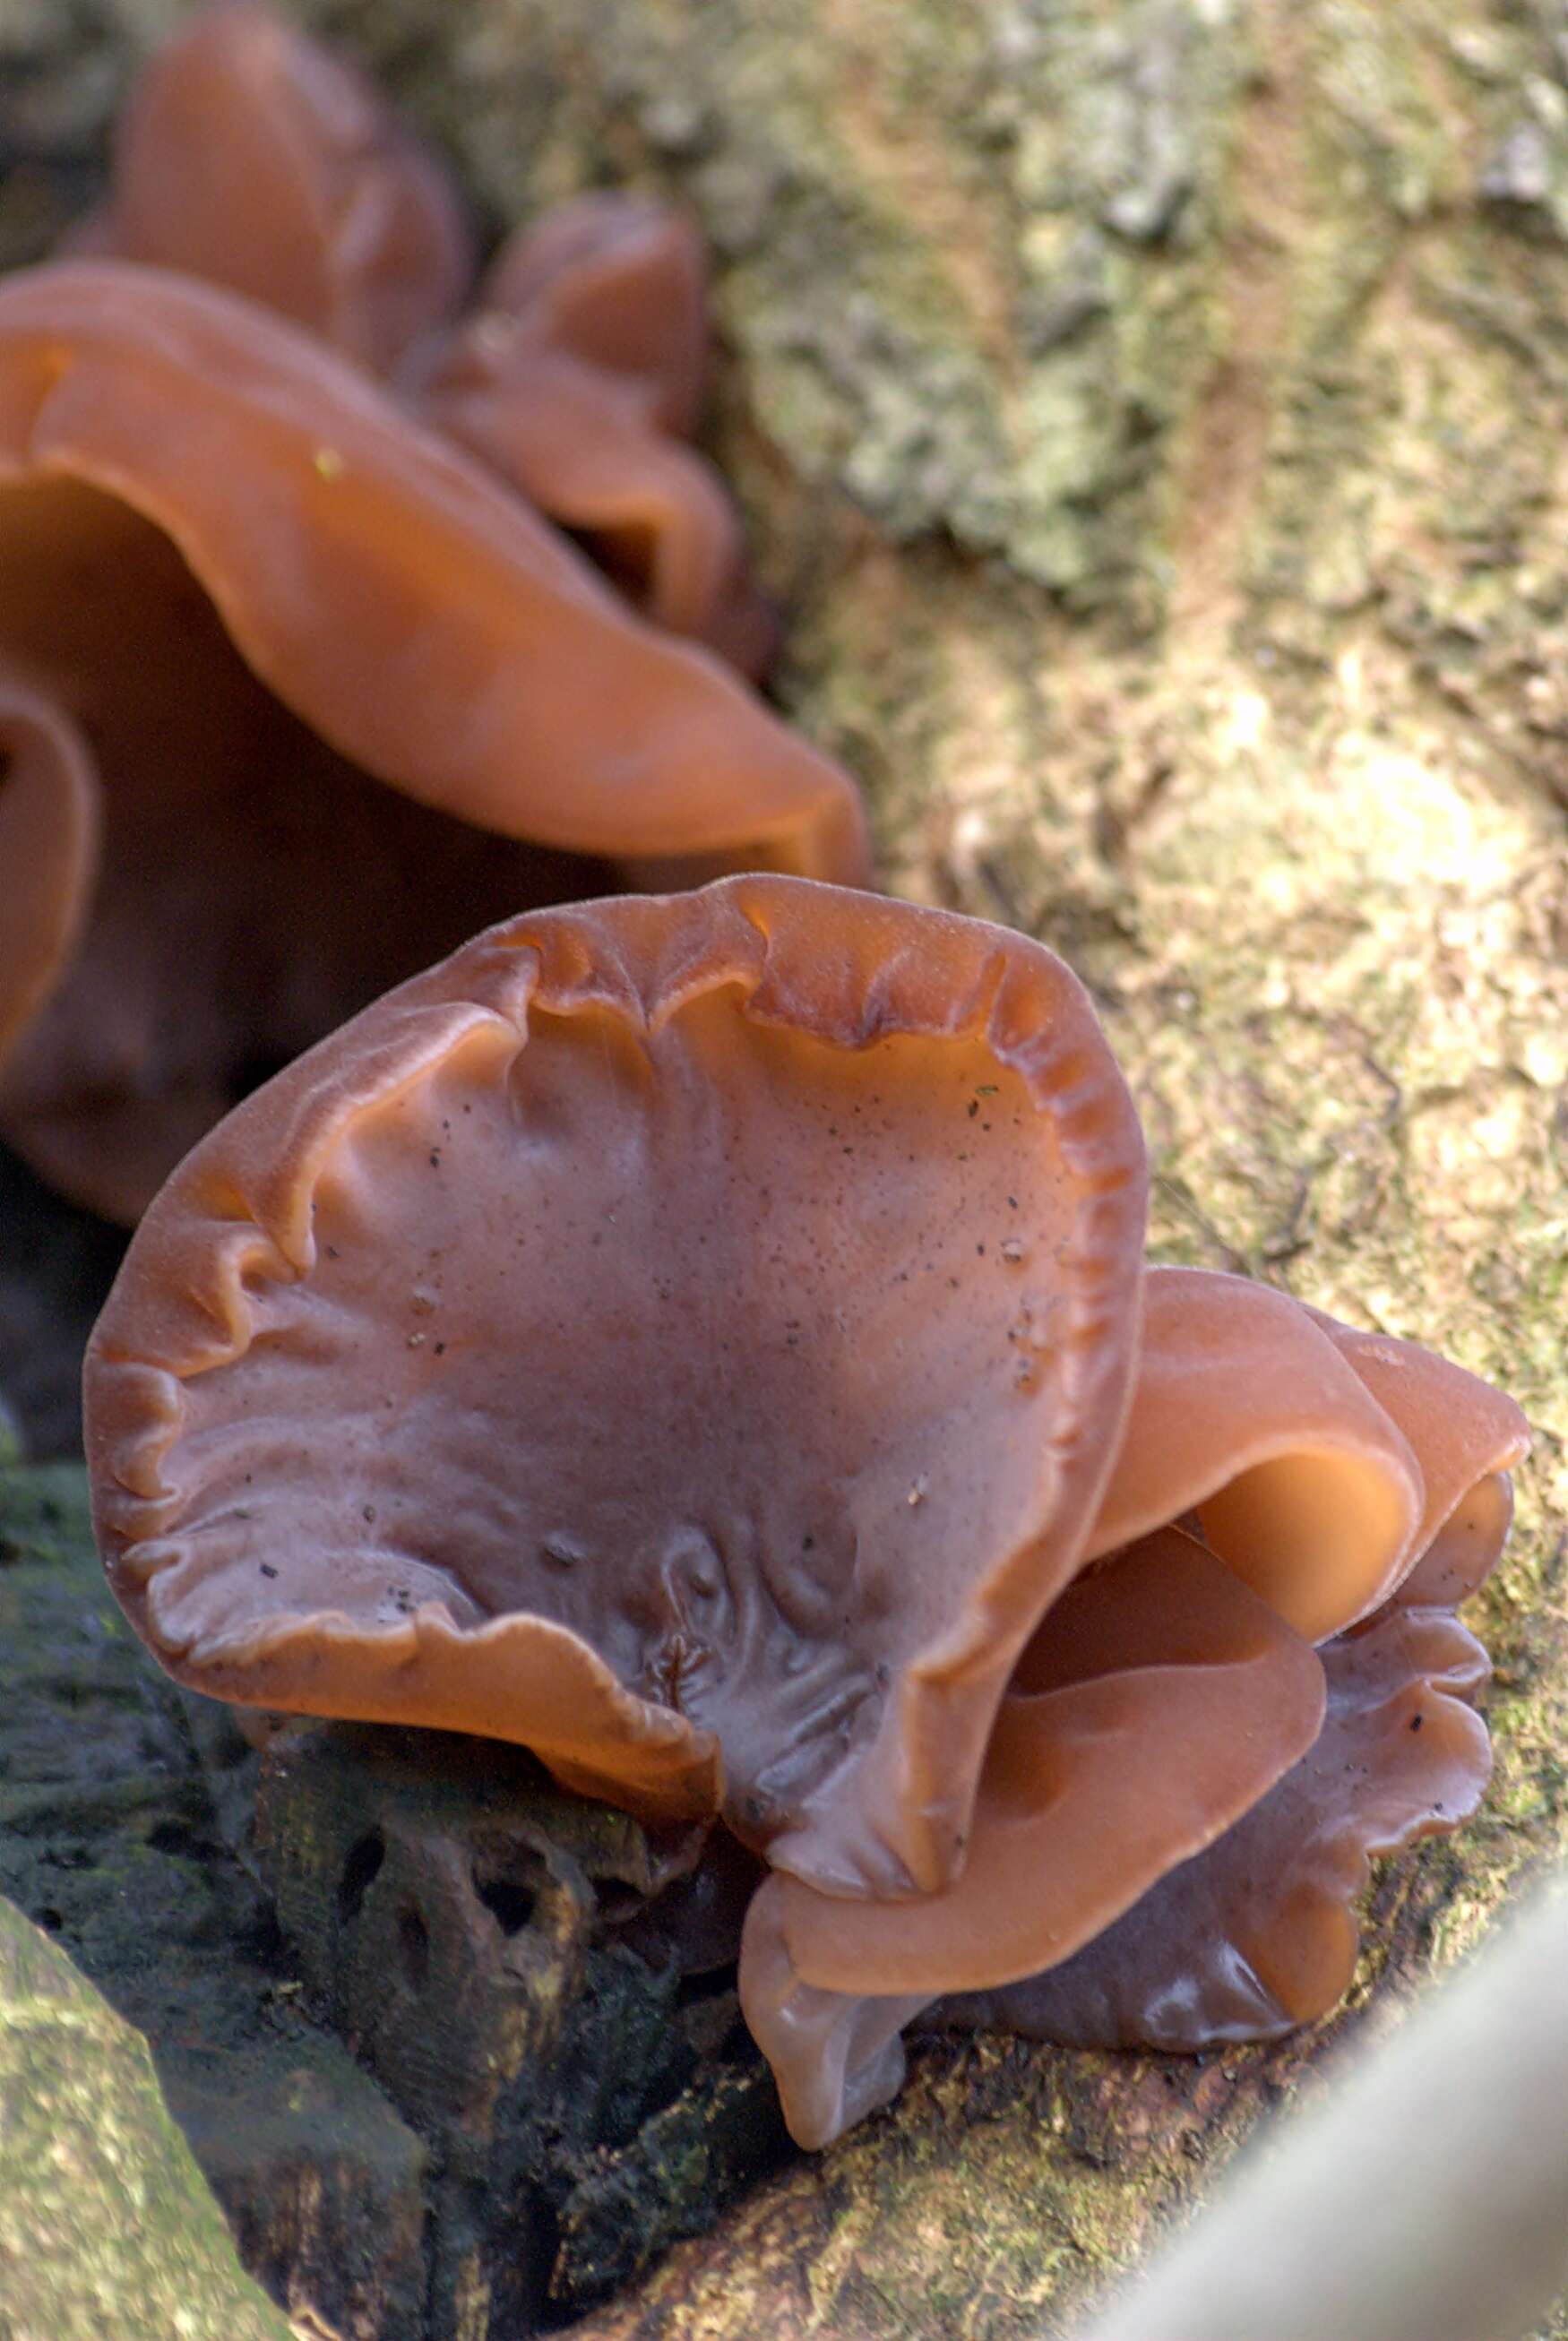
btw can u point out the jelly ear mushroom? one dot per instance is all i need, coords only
(48, 847)
(1246, 1412)
(251, 157)
(1466, 1437)
(586, 354)
(287, 609)
(1157, 1701)
(742, 1285)
(1259, 1934)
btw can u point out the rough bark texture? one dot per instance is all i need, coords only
(110, 1845)
(105, 2225)
(453, 1917)
(538, 2109)
(1150, 413)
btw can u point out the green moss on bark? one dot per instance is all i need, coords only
(106, 2225)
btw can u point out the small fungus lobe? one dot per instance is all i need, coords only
(251, 157)
(579, 375)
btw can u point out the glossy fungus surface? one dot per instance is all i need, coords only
(251, 592)
(1259, 1934)
(251, 157)
(686, 1335)
(1247, 1414)
(584, 363)
(1153, 1715)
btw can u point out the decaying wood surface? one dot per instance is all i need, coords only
(1150, 415)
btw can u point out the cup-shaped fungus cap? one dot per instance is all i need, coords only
(1259, 1934)
(1171, 1686)
(1158, 1701)
(259, 590)
(693, 1326)
(48, 847)
(1246, 1413)
(251, 157)
(587, 351)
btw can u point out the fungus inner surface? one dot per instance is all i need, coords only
(701, 1335)
(48, 848)
(660, 1324)
(254, 886)
(1258, 1933)
(1245, 1412)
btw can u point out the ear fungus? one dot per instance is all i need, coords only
(332, 665)
(856, 1146)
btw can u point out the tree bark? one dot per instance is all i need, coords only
(1149, 413)
(106, 2223)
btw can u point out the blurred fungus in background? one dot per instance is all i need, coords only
(299, 692)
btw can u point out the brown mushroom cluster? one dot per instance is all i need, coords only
(707, 1341)
(307, 666)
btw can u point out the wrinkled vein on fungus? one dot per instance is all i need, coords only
(707, 1340)
(297, 691)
